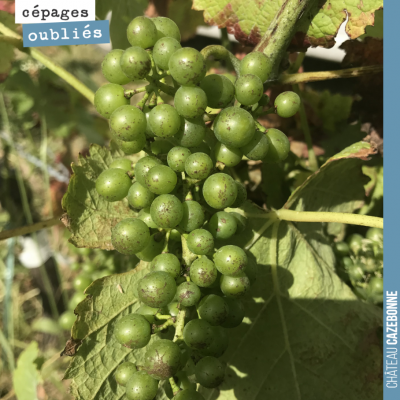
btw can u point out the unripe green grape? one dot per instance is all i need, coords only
(157, 289)
(188, 294)
(154, 248)
(193, 216)
(346, 262)
(122, 163)
(188, 394)
(219, 191)
(113, 184)
(256, 63)
(108, 98)
(375, 234)
(163, 50)
(234, 127)
(190, 102)
(191, 132)
(375, 285)
(203, 272)
(166, 28)
(143, 166)
(164, 121)
(148, 312)
(132, 331)
(124, 372)
(213, 309)
(88, 268)
(111, 68)
(145, 216)
(241, 222)
(210, 372)
(230, 260)
(76, 298)
(369, 265)
(355, 243)
(201, 148)
(166, 211)
(161, 146)
(278, 146)
(142, 32)
(235, 286)
(257, 148)
(130, 236)
(175, 235)
(177, 157)
(141, 387)
(230, 156)
(127, 123)
(355, 272)
(81, 282)
(287, 104)
(248, 89)
(198, 334)
(200, 242)
(139, 196)
(135, 63)
(342, 248)
(161, 179)
(219, 90)
(133, 146)
(222, 225)
(146, 110)
(168, 263)
(235, 313)
(241, 196)
(67, 320)
(219, 343)
(198, 166)
(187, 66)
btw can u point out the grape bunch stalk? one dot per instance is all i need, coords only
(182, 189)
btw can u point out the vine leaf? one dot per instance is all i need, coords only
(249, 20)
(89, 217)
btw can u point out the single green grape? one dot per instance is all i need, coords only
(163, 50)
(122, 163)
(141, 387)
(234, 127)
(230, 156)
(235, 286)
(219, 343)
(190, 102)
(342, 249)
(256, 63)
(198, 166)
(188, 394)
(139, 196)
(113, 184)
(198, 334)
(76, 298)
(219, 90)
(200, 242)
(201, 148)
(133, 146)
(111, 68)
(124, 373)
(203, 272)
(177, 157)
(127, 123)
(355, 272)
(67, 320)
(166, 28)
(248, 89)
(235, 313)
(355, 243)
(230, 260)
(222, 225)
(153, 248)
(157, 289)
(278, 146)
(88, 268)
(210, 372)
(187, 66)
(193, 216)
(241, 222)
(213, 309)
(167, 262)
(164, 121)
(257, 148)
(81, 282)
(375, 234)
(142, 32)
(175, 236)
(145, 216)
(191, 132)
(148, 312)
(241, 196)
(108, 98)
(219, 191)
(143, 166)
(161, 179)
(130, 236)
(287, 104)
(375, 285)
(166, 211)
(160, 146)
(346, 262)
(132, 331)
(188, 294)
(135, 63)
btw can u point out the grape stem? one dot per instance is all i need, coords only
(187, 256)
(162, 317)
(165, 325)
(221, 53)
(179, 325)
(174, 387)
(129, 93)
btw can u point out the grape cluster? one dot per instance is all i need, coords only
(181, 191)
(361, 263)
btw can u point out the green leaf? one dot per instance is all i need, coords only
(6, 50)
(89, 217)
(249, 21)
(26, 376)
